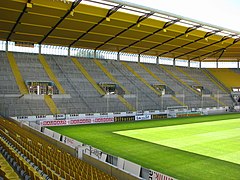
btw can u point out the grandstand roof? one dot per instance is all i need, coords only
(115, 26)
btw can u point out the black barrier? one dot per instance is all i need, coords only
(159, 116)
(125, 118)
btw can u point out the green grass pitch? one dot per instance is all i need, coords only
(206, 147)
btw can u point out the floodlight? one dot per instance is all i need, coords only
(29, 5)
(72, 13)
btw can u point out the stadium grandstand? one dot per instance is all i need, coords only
(78, 62)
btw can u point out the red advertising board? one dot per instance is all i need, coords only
(54, 123)
(103, 120)
(77, 121)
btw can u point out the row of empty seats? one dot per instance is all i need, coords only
(84, 96)
(6, 170)
(7, 82)
(86, 99)
(42, 160)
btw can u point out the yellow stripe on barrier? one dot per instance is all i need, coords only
(213, 81)
(190, 77)
(50, 73)
(99, 64)
(51, 104)
(88, 76)
(140, 78)
(17, 74)
(161, 81)
(126, 103)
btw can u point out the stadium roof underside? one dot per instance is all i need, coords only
(115, 26)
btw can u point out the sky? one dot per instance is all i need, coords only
(223, 13)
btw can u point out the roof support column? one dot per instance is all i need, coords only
(118, 56)
(157, 60)
(40, 49)
(69, 51)
(189, 63)
(200, 64)
(95, 54)
(6, 46)
(174, 62)
(217, 64)
(139, 58)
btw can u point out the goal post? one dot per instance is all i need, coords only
(173, 110)
(177, 108)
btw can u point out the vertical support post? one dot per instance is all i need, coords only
(217, 64)
(157, 60)
(174, 62)
(107, 102)
(6, 46)
(69, 50)
(200, 64)
(162, 103)
(95, 54)
(40, 49)
(183, 97)
(189, 63)
(139, 58)
(118, 56)
(136, 99)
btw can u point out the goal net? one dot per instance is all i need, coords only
(177, 108)
(173, 110)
